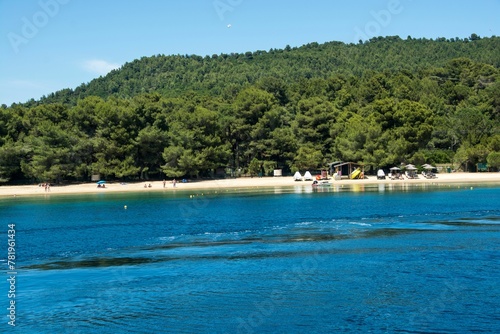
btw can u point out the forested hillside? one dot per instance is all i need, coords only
(380, 103)
(225, 74)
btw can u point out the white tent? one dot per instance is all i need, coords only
(297, 176)
(380, 174)
(308, 176)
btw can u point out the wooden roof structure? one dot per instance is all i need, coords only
(346, 168)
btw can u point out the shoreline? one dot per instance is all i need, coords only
(241, 183)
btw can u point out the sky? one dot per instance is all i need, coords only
(49, 45)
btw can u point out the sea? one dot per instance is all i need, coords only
(387, 258)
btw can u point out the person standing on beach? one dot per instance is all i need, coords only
(174, 182)
(164, 183)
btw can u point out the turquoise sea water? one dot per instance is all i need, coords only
(382, 259)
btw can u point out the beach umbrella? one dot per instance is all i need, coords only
(410, 167)
(427, 166)
(395, 168)
(101, 182)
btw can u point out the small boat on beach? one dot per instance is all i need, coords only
(321, 184)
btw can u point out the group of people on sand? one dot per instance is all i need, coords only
(46, 186)
(174, 182)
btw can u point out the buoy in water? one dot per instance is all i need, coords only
(125, 207)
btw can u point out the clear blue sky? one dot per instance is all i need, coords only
(48, 45)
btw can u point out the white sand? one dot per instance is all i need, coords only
(247, 183)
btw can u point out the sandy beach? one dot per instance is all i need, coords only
(245, 183)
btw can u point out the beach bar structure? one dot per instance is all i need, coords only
(344, 169)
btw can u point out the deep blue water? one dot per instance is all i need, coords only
(387, 259)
